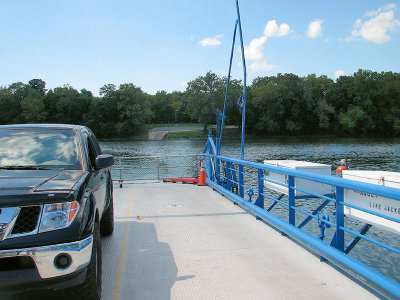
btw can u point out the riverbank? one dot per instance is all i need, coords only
(195, 131)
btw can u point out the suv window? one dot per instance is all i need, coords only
(93, 150)
(53, 148)
(95, 143)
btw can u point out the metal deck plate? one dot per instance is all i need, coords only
(176, 241)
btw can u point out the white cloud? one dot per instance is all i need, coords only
(339, 73)
(315, 29)
(261, 65)
(386, 7)
(272, 29)
(184, 84)
(214, 41)
(254, 51)
(376, 28)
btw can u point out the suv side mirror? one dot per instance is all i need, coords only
(104, 161)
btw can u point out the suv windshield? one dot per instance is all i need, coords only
(39, 148)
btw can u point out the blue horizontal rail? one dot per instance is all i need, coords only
(383, 191)
(249, 176)
(377, 190)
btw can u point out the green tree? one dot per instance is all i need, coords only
(97, 118)
(108, 90)
(33, 107)
(355, 121)
(163, 112)
(205, 95)
(10, 102)
(70, 104)
(233, 116)
(38, 85)
(9, 108)
(266, 108)
(321, 113)
(296, 109)
(103, 115)
(180, 103)
(133, 107)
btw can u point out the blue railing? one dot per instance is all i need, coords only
(245, 184)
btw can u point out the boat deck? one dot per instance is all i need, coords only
(180, 241)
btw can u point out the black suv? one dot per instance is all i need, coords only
(56, 199)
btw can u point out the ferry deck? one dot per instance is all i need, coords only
(183, 241)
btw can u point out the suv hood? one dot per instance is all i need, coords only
(18, 182)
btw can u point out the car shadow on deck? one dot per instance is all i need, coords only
(147, 270)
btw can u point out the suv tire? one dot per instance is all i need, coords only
(91, 288)
(107, 221)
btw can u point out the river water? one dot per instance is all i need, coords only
(373, 154)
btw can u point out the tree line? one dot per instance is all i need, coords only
(364, 104)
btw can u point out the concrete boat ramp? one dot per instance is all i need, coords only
(175, 241)
(158, 133)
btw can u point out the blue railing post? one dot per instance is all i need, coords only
(292, 212)
(218, 170)
(218, 146)
(241, 187)
(210, 158)
(339, 235)
(210, 165)
(228, 175)
(260, 199)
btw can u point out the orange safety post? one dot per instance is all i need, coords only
(202, 179)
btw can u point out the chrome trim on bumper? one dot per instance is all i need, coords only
(43, 257)
(8, 216)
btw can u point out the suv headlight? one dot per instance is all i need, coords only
(58, 215)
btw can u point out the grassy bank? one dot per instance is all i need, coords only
(147, 127)
(193, 134)
(142, 133)
(200, 134)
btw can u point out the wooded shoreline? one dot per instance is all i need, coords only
(366, 104)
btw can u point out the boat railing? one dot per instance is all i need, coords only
(128, 169)
(321, 222)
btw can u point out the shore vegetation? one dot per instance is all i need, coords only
(364, 104)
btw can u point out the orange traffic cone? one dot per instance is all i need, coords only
(202, 179)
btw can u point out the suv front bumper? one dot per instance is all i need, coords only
(44, 257)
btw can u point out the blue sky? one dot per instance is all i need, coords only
(161, 45)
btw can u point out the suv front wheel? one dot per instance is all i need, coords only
(91, 288)
(107, 221)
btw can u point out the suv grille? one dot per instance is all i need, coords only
(27, 220)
